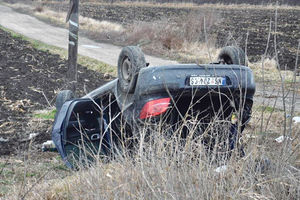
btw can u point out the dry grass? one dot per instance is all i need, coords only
(271, 73)
(198, 52)
(88, 24)
(157, 172)
(19, 174)
(183, 40)
(84, 22)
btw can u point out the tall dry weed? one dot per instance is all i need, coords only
(174, 37)
(158, 172)
(164, 165)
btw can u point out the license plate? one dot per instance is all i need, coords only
(207, 80)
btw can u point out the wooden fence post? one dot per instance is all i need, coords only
(73, 19)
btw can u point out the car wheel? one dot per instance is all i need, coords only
(62, 97)
(131, 60)
(232, 55)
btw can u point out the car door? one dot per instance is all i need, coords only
(80, 132)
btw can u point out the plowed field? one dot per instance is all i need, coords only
(29, 79)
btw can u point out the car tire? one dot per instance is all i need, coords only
(62, 97)
(131, 60)
(232, 55)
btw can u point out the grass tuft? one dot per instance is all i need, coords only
(45, 115)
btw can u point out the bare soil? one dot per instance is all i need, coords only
(237, 23)
(28, 79)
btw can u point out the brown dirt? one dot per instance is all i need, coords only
(29, 76)
(256, 22)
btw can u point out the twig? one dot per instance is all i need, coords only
(142, 137)
(39, 179)
(269, 119)
(4, 166)
(263, 75)
(206, 41)
(278, 69)
(294, 92)
(46, 99)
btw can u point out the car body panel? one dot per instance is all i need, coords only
(108, 102)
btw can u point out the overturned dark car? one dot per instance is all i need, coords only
(145, 95)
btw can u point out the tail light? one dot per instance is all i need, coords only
(155, 108)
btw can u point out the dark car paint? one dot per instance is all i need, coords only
(154, 83)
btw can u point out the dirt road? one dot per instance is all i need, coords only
(272, 97)
(33, 28)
